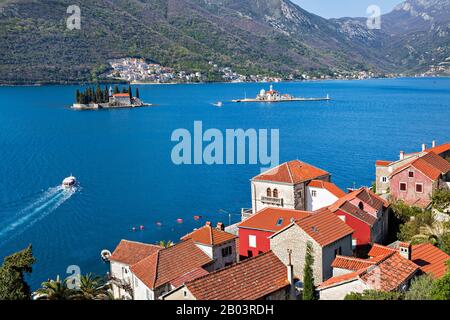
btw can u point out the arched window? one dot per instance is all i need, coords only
(269, 192)
(361, 206)
(275, 193)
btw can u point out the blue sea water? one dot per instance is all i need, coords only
(122, 158)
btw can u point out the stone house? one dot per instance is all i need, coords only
(415, 182)
(263, 277)
(284, 186)
(328, 235)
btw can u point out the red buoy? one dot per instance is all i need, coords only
(179, 220)
(196, 218)
(141, 227)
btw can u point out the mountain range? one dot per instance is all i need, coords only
(273, 37)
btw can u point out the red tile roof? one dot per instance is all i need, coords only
(324, 227)
(379, 250)
(268, 218)
(430, 259)
(130, 252)
(356, 212)
(365, 195)
(331, 187)
(170, 263)
(121, 95)
(208, 235)
(251, 279)
(292, 172)
(382, 163)
(430, 165)
(351, 263)
(191, 275)
(439, 149)
(387, 274)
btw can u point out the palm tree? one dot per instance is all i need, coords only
(165, 244)
(93, 288)
(55, 290)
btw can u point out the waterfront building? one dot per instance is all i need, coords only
(328, 235)
(120, 99)
(219, 245)
(284, 186)
(415, 182)
(384, 168)
(321, 194)
(263, 277)
(366, 213)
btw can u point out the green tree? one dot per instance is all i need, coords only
(421, 288)
(137, 93)
(308, 276)
(78, 96)
(116, 89)
(165, 244)
(55, 290)
(441, 287)
(92, 288)
(130, 92)
(12, 272)
(441, 199)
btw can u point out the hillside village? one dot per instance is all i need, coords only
(301, 228)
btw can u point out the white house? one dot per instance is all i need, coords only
(321, 194)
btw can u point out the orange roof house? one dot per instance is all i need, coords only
(131, 252)
(292, 172)
(261, 277)
(210, 236)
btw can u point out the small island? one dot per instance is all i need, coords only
(274, 96)
(95, 99)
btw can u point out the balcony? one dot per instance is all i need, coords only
(272, 201)
(246, 213)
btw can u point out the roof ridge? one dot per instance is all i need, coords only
(156, 268)
(354, 259)
(289, 171)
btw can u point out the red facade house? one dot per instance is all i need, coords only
(254, 232)
(415, 182)
(366, 213)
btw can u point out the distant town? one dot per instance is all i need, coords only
(137, 70)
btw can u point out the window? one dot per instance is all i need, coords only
(252, 241)
(384, 179)
(361, 205)
(269, 192)
(185, 293)
(419, 187)
(250, 253)
(279, 222)
(338, 252)
(275, 193)
(411, 174)
(403, 186)
(228, 251)
(314, 193)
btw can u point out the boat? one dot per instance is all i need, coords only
(218, 104)
(69, 182)
(274, 96)
(105, 255)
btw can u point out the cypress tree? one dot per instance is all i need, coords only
(116, 89)
(308, 277)
(137, 93)
(130, 92)
(78, 96)
(124, 90)
(99, 95)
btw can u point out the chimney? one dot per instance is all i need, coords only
(405, 250)
(424, 147)
(402, 155)
(208, 223)
(290, 275)
(220, 226)
(433, 144)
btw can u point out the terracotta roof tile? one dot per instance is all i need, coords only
(331, 187)
(439, 149)
(430, 259)
(430, 165)
(292, 172)
(324, 227)
(209, 235)
(363, 194)
(170, 263)
(273, 219)
(251, 279)
(191, 275)
(358, 213)
(351, 263)
(382, 163)
(340, 279)
(130, 252)
(379, 250)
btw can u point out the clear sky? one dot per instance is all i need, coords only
(345, 8)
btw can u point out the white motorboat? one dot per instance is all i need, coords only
(69, 182)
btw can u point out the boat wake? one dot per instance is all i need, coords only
(36, 210)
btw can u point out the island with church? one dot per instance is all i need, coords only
(97, 98)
